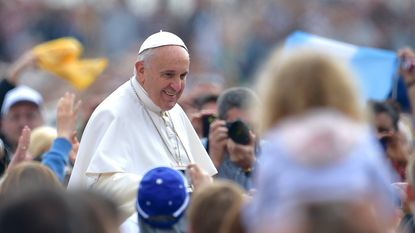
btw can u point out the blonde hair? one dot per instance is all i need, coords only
(293, 83)
(213, 202)
(27, 177)
(41, 140)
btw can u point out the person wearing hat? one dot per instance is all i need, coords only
(162, 200)
(21, 107)
(140, 126)
(8, 83)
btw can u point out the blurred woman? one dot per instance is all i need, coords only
(292, 84)
(319, 150)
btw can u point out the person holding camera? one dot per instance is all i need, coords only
(232, 145)
(389, 133)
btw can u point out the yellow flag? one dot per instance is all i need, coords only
(61, 57)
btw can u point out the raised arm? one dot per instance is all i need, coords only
(57, 157)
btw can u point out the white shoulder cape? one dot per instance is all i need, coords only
(120, 137)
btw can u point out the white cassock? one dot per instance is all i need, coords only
(127, 135)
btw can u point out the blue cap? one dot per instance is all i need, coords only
(162, 197)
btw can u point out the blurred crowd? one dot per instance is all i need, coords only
(229, 38)
(295, 148)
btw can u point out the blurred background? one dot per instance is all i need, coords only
(227, 39)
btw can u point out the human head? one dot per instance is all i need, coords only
(214, 200)
(385, 117)
(293, 83)
(201, 84)
(235, 103)
(22, 106)
(162, 197)
(42, 210)
(206, 102)
(393, 135)
(342, 217)
(95, 211)
(41, 140)
(162, 67)
(27, 177)
(55, 211)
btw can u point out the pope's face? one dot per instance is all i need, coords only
(163, 75)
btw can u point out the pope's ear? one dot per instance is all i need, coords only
(139, 67)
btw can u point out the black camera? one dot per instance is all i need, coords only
(238, 131)
(206, 121)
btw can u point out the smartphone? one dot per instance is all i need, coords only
(206, 121)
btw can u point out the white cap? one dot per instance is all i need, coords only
(161, 39)
(20, 94)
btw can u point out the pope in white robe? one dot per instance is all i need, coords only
(140, 126)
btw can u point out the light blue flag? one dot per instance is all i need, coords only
(374, 68)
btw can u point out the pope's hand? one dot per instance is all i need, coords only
(198, 177)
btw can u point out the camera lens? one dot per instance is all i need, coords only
(238, 131)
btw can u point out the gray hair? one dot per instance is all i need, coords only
(235, 97)
(145, 55)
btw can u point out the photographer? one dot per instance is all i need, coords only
(234, 158)
(389, 133)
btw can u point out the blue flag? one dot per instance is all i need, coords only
(374, 68)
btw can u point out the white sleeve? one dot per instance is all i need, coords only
(122, 187)
(130, 225)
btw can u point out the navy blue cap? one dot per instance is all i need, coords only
(162, 197)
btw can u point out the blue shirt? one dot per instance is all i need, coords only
(57, 157)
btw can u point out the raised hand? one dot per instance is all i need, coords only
(197, 121)
(66, 116)
(26, 60)
(407, 68)
(21, 153)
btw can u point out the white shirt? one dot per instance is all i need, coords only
(130, 225)
(127, 133)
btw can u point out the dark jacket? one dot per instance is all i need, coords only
(5, 86)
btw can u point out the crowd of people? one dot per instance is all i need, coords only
(300, 151)
(225, 37)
